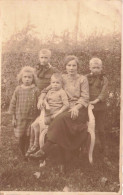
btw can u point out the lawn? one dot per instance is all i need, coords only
(18, 175)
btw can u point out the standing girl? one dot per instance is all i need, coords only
(23, 106)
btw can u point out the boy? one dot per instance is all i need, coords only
(98, 84)
(44, 70)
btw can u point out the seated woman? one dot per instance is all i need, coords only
(69, 129)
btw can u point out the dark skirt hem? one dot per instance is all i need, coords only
(69, 133)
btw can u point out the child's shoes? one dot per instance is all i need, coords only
(32, 150)
(28, 152)
(38, 155)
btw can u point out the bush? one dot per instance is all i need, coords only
(22, 51)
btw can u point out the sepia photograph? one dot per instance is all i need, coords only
(60, 97)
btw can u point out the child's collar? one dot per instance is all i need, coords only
(27, 87)
(56, 90)
(100, 74)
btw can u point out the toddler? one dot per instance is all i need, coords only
(98, 84)
(23, 106)
(56, 102)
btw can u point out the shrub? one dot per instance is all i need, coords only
(22, 51)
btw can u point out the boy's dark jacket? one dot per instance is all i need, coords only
(44, 74)
(98, 89)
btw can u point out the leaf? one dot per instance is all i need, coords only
(42, 164)
(103, 180)
(37, 174)
(66, 189)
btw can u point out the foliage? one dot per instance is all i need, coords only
(22, 49)
(18, 175)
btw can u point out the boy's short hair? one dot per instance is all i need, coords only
(57, 76)
(26, 69)
(45, 51)
(98, 60)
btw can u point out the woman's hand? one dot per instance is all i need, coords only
(54, 116)
(74, 112)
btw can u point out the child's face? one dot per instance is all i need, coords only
(44, 59)
(56, 83)
(95, 67)
(27, 78)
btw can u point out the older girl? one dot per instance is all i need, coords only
(23, 106)
(69, 129)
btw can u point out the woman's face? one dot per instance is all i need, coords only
(71, 67)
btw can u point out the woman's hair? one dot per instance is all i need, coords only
(97, 60)
(26, 69)
(57, 76)
(70, 58)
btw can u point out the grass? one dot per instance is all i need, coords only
(18, 175)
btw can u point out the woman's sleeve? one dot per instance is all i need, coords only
(64, 98)
(104, 92)
(13, 101)
(84, 94)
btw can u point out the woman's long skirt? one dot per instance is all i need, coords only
(69, 133)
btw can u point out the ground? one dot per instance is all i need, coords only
(16, 174)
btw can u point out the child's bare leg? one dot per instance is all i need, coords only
(36, 135)
(34, 132)
(32, 136)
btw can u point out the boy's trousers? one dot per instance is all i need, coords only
(100, 131)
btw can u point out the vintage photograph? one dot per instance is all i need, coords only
(60, 96)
